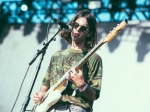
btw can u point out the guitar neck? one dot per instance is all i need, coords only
(87, 56)
(108, 38)
(78, 65)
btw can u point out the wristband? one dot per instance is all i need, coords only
(84, 88)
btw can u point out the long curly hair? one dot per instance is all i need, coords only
(91, 41)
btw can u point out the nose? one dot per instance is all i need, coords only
(78, 28)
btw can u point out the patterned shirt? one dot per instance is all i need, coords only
(63, 60)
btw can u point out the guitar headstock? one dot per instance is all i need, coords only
(114, 32)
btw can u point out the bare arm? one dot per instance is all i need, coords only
(44, 89)
(89, 93)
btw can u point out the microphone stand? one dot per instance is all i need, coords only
(42, 51)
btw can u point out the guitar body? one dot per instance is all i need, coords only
(51, 97)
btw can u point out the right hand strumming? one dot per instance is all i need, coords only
(37, 97)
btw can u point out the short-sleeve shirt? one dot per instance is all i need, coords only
(62, 61)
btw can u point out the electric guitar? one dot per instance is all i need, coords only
(53, 95)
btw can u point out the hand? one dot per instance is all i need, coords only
(76, 77)
(37, 97)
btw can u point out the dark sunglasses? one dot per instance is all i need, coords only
(82, 28)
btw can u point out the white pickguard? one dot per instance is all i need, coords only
(51, 97)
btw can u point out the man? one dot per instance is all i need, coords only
(84, 83)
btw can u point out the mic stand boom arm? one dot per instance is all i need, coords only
(43, 51)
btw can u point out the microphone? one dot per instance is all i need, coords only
(63, 25)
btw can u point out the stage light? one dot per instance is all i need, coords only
(94, 4)
(24, 7)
